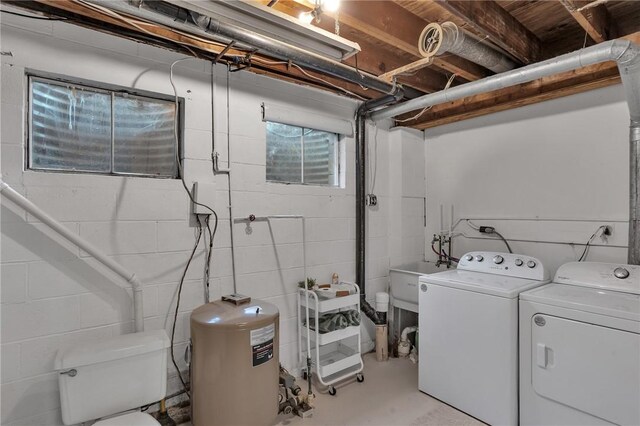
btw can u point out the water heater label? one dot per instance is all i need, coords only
(262, 344)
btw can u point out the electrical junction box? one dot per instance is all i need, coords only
(203, 193)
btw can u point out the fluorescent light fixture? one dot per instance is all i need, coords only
(272, 23)
(331, 5)
(305, 17)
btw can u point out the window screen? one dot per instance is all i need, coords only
(79, 128)
(300, 155)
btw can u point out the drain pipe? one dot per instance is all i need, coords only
(62, 230)
(361, 229)
(176, 17)
(624, 52)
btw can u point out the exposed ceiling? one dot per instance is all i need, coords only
(525, 30)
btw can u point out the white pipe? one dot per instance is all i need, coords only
(94, 251)
(626, 53)
(404, 336)
(304, 269)
(304, 258)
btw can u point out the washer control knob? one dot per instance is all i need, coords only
(497, 259)
(469, 257)
(479, 258)
(621, 273)
(531, 264)
(519, 262)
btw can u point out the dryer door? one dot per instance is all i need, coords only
(592, 368)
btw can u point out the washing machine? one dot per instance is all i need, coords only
(468, 349)
(580, 347)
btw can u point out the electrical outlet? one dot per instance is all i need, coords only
(606, 233)
(371, 200)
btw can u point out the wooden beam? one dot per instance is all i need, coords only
(377, 60)
(395, 26)
(413, 66)
(547, 88)
(596, 21)
(487, 17)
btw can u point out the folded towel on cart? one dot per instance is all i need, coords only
(335, 321)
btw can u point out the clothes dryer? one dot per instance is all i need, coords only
(580, 347)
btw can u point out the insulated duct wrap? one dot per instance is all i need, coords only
(445, 38)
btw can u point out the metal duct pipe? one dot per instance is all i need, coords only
(361, 228)
(438, 39)
(625, 53)
(174, 17)
(616, 50)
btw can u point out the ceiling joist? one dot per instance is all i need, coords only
(596, 20)
(390, 23)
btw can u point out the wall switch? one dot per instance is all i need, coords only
(203, 193)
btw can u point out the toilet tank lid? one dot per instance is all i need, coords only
(110, 349)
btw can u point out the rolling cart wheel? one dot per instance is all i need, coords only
(332, 391)
(359, 378)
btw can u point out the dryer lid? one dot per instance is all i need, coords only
(480, 282)
(589, 299)
(606, 276)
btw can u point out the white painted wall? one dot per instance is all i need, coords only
(553, 171)
(53, 295)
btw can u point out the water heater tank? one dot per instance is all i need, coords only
(234, 363)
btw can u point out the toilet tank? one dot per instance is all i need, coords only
(112, 375)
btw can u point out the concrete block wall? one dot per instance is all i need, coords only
(549, 172)
(54, 295)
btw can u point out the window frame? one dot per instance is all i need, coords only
(106, 88)
(338, 151)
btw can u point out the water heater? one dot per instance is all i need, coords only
(234, 363)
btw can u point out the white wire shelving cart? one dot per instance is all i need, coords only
(336, 355)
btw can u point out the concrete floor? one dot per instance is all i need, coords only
(388, 396)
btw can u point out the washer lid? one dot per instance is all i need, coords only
(480, 282)
(608, 276)
(588, 299)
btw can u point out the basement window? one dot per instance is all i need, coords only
(92, 128)
(301, 155)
